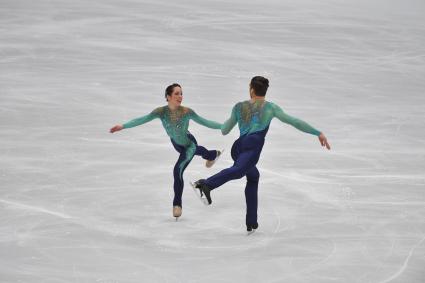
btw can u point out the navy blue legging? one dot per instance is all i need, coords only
(186, 155)
(246, 152)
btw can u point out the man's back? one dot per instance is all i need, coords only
(255, 116)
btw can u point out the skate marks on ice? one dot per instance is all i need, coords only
(43, 236)
(379, 242)
(126, 141)
(18, 205)
(405, 263)
(191, 232)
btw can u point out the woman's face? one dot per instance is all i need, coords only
(176, 96)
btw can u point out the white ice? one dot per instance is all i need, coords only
(78, 204)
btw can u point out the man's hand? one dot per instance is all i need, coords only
(324, 141)
(116, 128)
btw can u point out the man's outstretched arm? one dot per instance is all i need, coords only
(300, 125)
(230, 123)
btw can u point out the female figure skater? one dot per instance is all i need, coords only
(175, 120)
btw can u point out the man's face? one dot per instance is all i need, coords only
(176, 96)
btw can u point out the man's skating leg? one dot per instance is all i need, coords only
(251, 197)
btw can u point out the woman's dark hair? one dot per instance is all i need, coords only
(170, 88)
(260, 85)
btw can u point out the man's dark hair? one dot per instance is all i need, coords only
(260, 85)
(170, 88)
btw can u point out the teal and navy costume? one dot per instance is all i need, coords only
(176, 124)
(253, 119)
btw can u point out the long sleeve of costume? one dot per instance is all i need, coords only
(297, 123)
(142, 120)
(204, 122)
(230, 123)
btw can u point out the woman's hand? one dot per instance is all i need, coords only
(116, 128)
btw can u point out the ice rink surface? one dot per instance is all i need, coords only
(78, 204)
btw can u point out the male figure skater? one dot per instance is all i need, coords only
(253, 117)
(175, 120)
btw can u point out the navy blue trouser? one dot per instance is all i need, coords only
(186, 155)
(246, 152)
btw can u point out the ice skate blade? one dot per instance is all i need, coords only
(198, 194)
(251, 232)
